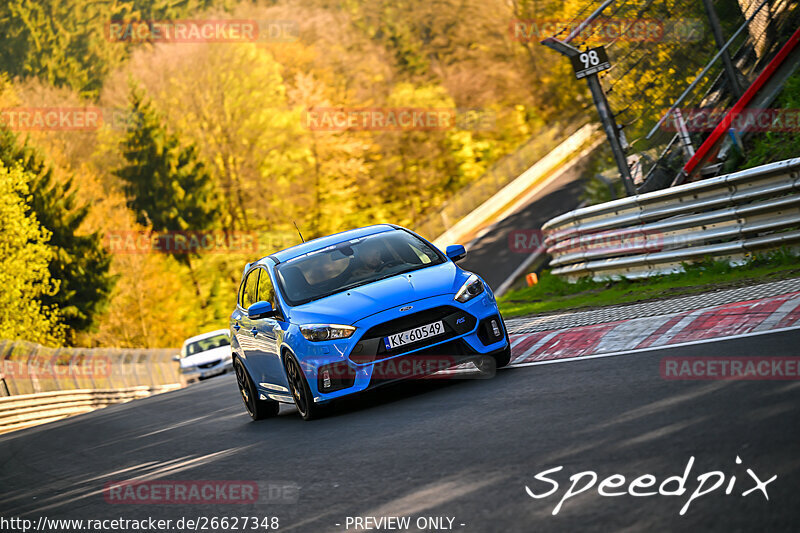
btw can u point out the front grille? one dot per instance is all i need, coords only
(209, 365)
(371, 346)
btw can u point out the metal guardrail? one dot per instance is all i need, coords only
(728, 216)
(25, 410)
(29, 368)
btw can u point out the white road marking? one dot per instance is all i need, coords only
(536, 345)
(630, 333)
(779, 314)
(679, 326)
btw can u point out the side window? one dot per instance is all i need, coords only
(248, 296)
(266, 292)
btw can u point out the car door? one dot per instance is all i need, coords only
(242, 325)
(267, 335)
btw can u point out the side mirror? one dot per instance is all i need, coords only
(456, 252)
(261, 309)
(176, 357)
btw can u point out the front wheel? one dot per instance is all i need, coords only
(503, 358)
(257, 409)
(303, 399)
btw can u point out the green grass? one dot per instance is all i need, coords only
(554, 294)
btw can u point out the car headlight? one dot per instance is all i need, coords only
(470, 289)
(326, 332)
(187, 369)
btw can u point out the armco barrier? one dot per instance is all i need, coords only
(30, 368)
(25, 410)
(728, 216)
(41, 384)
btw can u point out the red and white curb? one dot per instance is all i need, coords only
(643, 334)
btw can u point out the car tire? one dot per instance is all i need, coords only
(301, 392)
(503, 358)
(257, 408)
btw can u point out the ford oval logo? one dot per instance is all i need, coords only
(406, 308)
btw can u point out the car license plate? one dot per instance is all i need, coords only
(414, 335)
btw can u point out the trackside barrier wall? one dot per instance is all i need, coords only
(40, 384)
(729, 216)
(25, 410)
(30, 368)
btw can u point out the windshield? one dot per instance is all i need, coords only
(353, 263)
(205, 344)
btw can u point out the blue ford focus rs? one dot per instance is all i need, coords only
(345, 313)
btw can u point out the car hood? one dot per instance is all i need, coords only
(208, 356)
(355, 304)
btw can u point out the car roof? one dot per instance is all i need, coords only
(206, 335)
(330, 240)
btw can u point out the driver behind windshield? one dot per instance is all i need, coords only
(370, 257)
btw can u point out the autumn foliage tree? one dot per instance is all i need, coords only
(78, 261)
(24, 260)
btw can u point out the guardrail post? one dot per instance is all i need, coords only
(92, 367)
(3, 352)
(53, 369)
(149, 366)
(32, 376)
(73, 374)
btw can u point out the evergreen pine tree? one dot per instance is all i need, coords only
(80, 263)
(168, 187)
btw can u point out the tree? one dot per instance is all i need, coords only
(230, 100)
(79, 262)
(24, 258)
(168, 187)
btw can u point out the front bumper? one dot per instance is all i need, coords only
(342, 367)
(195, 373)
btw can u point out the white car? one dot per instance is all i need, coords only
(205, 355)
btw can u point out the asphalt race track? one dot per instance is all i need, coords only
(462, 448)
(491, 256)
